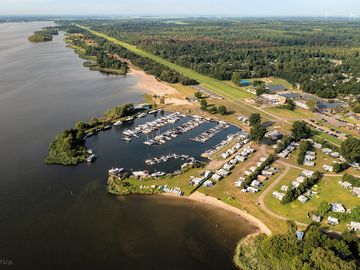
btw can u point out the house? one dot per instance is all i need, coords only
(233, 161)
(208, 183)
(216, 177)
(337, 208)
(328, 168)
(345, 184)
(273, 135)
(301, 104)
(278, 195)
(240, 158)
(262, 178)
(303, 199)
(223, 172)
(299, 235)
(238, 183)
(228, 166)
(248, 173)
(316, 218)
(301, 179)
(252, 190)
(284, 188)
(356, 191)
(142, 107)
(225, 155)
(252, 169)
(196, 181)
(272, 99)
(309, 163)
(295, 184)
(244, 83)
(267, 173)
(141, 174)
(307, 173)
(354, 226)
(335, 155)
(255, 183)
(206, 174)
(244, 119)
(333, 221)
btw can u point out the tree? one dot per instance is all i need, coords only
(235, 78)
(257, 133)
(261, 90)
(290, 104)
(162, 100)
(212, 110)
(203, 104)
(255, 119)
(312, 104)
(350, 149)
(300, 130)
(222, 110)
(323, 208)
(198, 95)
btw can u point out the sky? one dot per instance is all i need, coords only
(242, 8)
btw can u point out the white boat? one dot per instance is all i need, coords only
(142, 115)
(153, 112)
(127, 139)
(118, 123)
(91, 158)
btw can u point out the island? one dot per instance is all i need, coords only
(43, 35)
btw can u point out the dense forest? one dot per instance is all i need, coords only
(321, 56)
(313, 250)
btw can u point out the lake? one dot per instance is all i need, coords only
(54, 217)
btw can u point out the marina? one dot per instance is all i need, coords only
(175, 132)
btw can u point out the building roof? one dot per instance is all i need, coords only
(290, 95)
(276, 88)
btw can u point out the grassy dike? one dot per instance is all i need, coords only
(217, 86)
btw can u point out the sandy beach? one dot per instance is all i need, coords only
(200, 197)
(151, 85)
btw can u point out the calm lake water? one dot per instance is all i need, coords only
(54, 217)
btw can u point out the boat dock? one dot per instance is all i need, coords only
(175, 132)
(166, 158)
(151, 126)
(207, 135)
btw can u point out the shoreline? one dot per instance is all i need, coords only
(201, 197)
(152, 86)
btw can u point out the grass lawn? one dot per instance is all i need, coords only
(296, 114)
(274, 80)
(331, 139)
(329, 190)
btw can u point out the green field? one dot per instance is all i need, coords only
(291, 115)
